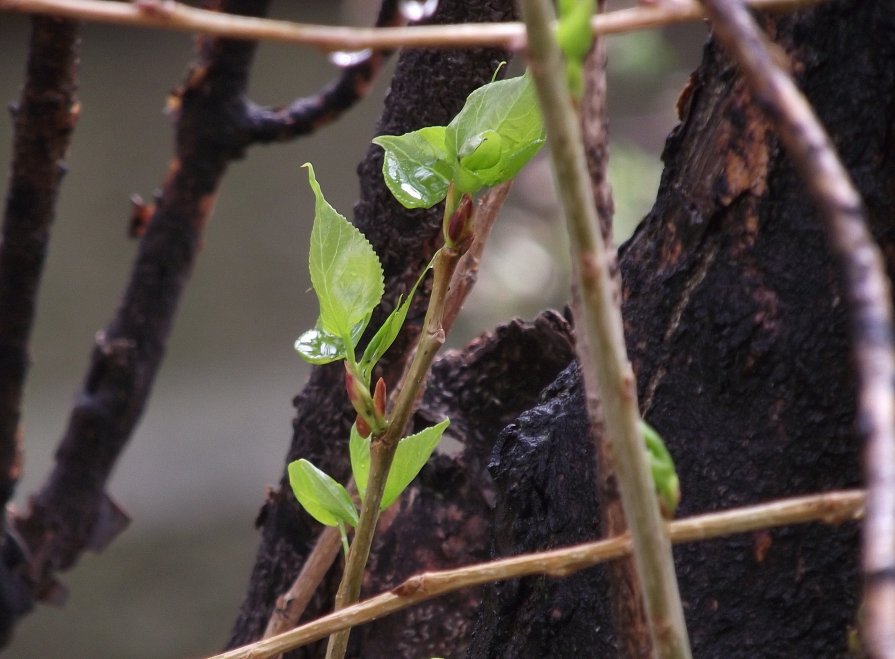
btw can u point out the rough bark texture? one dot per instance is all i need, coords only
(44, 120)
(544, 470)
(736, 328)
(428, 88)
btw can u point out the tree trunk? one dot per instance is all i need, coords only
(738, 335)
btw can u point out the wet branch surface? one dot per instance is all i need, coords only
(215, 125)
(45, 118)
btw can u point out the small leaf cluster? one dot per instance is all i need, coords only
(496, 133)
(347, 277)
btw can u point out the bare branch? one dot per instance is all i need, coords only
(867, 290)
(215, 125)
(306, 115)
(829, 508)
(164, 14)
(44, 121)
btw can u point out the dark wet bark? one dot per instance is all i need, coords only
(736, 326)
(45, 117)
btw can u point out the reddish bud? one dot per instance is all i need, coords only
(379, 398)
(362, 428)
(459, 228)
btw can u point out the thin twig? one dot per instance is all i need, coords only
(628, 613)
(164, 14)
(292, 604)
(466, 274)
(828, 508)
(866, 289)
(382, 449)
(600, 339)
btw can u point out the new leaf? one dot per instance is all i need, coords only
(345, 271)
(411, 456)
(416, 167)
(319, 494)
(503, 119)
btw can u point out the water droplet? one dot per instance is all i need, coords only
(345, 58)
(417, 10)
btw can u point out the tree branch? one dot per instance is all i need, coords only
(600, 340)
(71, 512)
(867, 290)
(164, 14)
(44, 121)
(829, 508)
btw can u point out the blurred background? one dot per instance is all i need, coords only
(218, 424)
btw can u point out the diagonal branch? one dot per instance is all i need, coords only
(867, 290)
(214, 126)
(829, 508)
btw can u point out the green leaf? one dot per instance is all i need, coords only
(505, 109)
(416, 167)
(665, 478)
(345, 271)
(359, 448)
(387, 334)
(318, 493)
(410, 457)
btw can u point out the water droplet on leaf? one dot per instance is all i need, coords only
(417, 10)
(345, 58)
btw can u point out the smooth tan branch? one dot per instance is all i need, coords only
(829, 508)
(169, 15)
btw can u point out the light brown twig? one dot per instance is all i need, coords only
(164, 14)
(600, 341)
(829, 508)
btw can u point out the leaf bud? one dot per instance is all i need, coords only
(459, 227)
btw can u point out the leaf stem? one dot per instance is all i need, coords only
(600, 335)
(382, 448)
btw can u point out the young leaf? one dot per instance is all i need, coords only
(416, 167)
(410, 457)
(345, 271)
(387, 334)
(506, 109)
(359, 448)
(668, 488)
(324, 499)
(575, 37)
